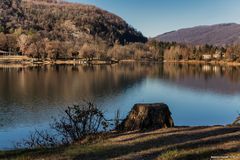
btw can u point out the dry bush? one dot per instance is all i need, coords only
(77, 123)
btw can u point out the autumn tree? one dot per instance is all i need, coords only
(72, 50)
(233, 52)
(3, 42)
(88, 51)
(101, 50)
(12, 43)
(172, 53)
(36, 47)
(23, 42)
(53, 49)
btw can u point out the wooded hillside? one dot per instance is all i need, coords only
(56, 29)
(64, 21)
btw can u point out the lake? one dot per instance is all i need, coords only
(196, 94)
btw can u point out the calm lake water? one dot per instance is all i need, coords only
(196, 94)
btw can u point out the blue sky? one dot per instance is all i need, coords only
(153, 17)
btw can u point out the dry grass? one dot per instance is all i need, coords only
(14, 58)
(181, 143)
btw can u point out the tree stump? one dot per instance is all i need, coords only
(147, 116)
(237, 121)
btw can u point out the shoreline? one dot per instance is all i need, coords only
(182, 142)
(24, 61)
(222, 63)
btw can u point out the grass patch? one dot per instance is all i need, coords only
(169, 155)
(166, 144)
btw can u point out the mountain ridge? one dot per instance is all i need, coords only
(217, 34)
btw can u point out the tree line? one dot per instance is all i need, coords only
(203, 52)
(36, 46)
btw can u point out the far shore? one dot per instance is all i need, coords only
(24, 61)
(212, 62)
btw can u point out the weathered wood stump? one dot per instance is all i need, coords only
(147, 116)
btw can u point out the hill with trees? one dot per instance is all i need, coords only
(220, 35)
(64, 21)
(58, 29)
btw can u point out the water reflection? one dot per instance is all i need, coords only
(213, 78)
(197, 94)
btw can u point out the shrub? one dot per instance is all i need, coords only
(77, 123)
(80, 121)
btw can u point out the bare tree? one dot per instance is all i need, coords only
(88, 51)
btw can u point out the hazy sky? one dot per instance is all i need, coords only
(153, 17)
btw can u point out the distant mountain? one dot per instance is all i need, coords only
(220, 34)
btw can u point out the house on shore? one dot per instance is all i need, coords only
(217, 56)
(206, 56)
